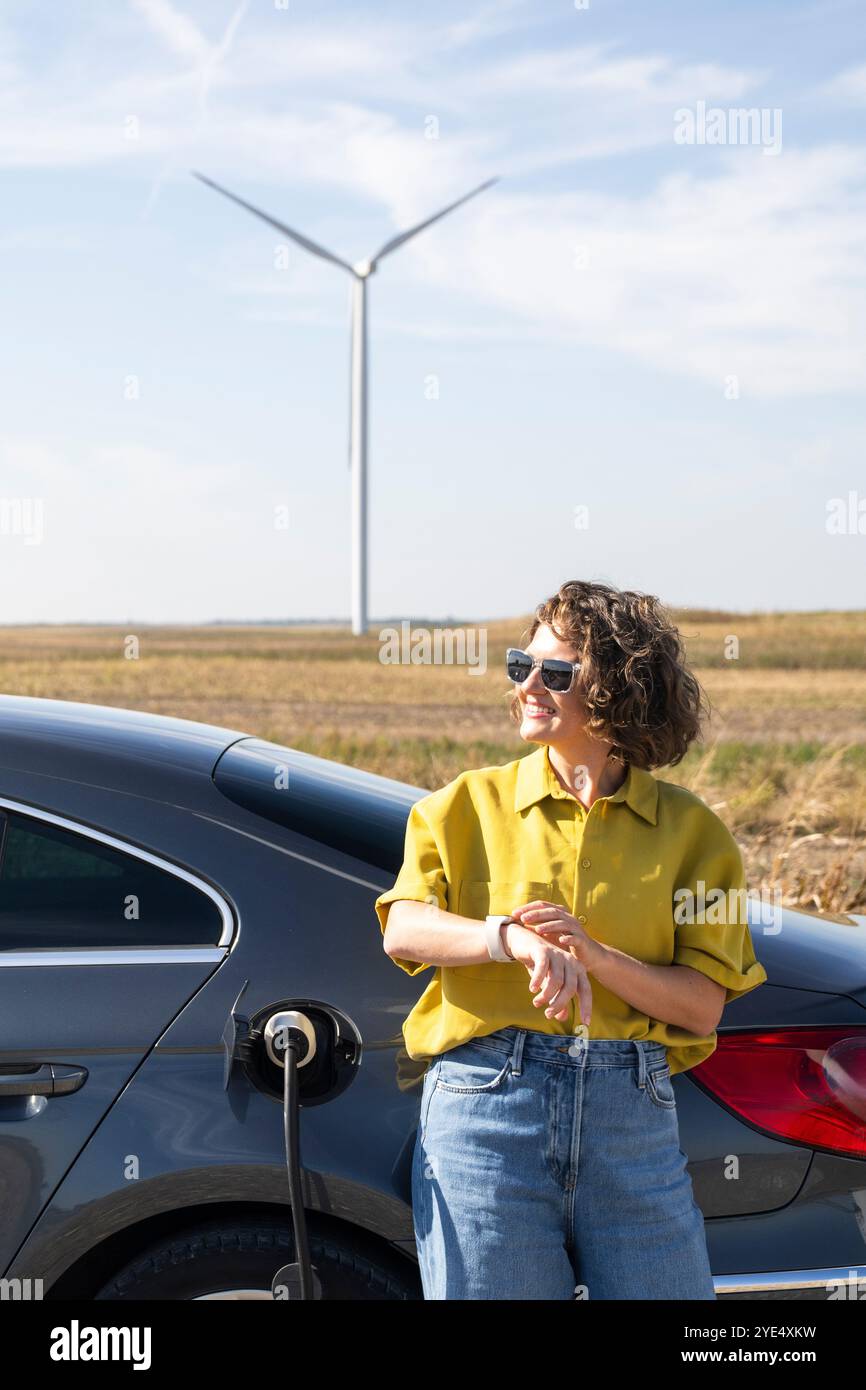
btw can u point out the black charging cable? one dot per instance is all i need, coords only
(295, 1042)
(294, 1035)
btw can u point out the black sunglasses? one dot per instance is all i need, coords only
(555, 675)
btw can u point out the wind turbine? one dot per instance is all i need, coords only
(360, 272)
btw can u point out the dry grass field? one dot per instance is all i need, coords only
(783, 759)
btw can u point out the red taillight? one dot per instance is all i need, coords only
(807, 1085)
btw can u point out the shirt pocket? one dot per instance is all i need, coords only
(479, 898)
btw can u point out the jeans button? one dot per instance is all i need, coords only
(574, 1050)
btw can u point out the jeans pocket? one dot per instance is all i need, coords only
(471, 1069)
(660, 1086)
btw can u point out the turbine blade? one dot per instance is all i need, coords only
(404, 236)
(302, 240)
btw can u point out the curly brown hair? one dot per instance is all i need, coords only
(633, 680)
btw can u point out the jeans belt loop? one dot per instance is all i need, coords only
(641, 1065)
(517, 1054)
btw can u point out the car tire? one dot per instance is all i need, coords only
(238, 1260)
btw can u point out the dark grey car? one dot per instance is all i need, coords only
(164, 885)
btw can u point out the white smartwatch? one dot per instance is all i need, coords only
(495, 947)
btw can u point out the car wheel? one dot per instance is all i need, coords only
(237, 1260)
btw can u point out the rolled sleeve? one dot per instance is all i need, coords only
(717, 940)
(421, 878)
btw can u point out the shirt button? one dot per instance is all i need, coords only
(582, 920)
(585, 863)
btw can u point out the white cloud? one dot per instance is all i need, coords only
(847, 88)
(327, 100)
(183, 38)
(597, 69)
(176, 29)
(730, 264)
(122, 487)
(756, 272)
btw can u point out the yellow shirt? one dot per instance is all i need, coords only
(497, 837)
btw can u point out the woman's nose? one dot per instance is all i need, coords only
(534, 683)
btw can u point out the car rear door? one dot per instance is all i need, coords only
(101, 945)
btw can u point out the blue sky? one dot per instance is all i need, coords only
(668, 335)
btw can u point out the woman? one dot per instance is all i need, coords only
(587, 925)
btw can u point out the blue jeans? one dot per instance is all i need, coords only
(549, 1167)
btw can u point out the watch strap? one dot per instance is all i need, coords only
(495, 947)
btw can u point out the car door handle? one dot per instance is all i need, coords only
(41, 1079)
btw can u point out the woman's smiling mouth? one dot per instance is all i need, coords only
(535, 710)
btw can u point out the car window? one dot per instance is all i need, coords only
(60, 889)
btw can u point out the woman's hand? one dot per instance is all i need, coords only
(555, 973)
(554, 924)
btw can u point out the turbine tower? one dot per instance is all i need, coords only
(360, 272)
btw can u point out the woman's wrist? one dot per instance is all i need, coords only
(596, 956)
(510, 943)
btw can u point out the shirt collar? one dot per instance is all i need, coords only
(537, 779)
